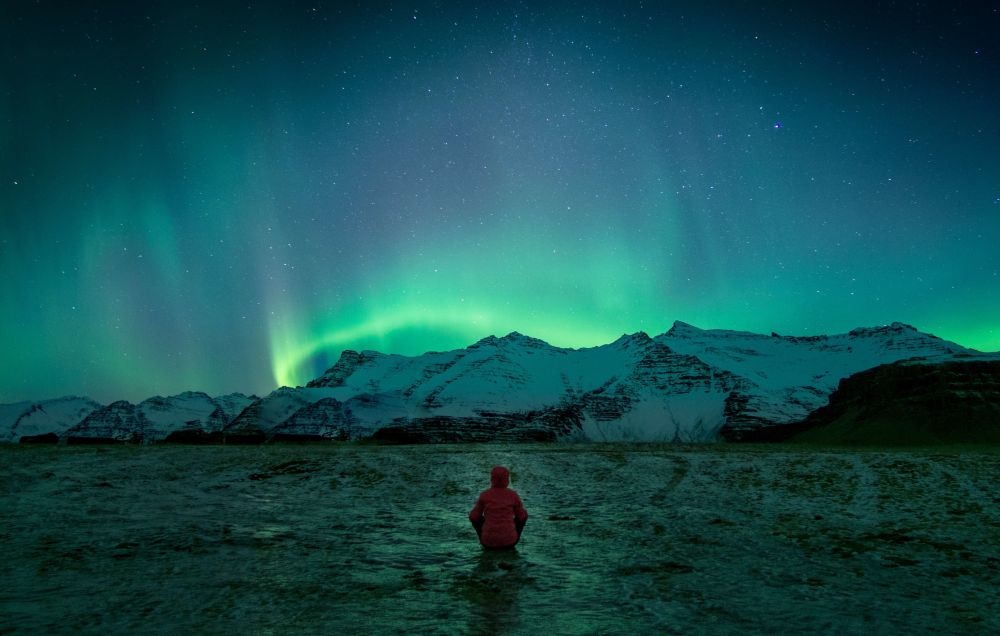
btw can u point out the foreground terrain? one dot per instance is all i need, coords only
(621, 538)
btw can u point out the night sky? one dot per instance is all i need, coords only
(222, 199)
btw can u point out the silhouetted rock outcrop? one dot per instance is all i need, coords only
(193, 435)
(911, 404)
(45, 438)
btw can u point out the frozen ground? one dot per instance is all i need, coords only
(640, 539)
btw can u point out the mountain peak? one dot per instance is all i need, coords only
(883, 330)
(626, 339)
(520, 338)
(488, 340)
(681, 329)
(513, 338)
(187, 395)
(348, 363)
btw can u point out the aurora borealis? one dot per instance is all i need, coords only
(223, 196)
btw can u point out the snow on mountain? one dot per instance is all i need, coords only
(316, 412)
(232, 404)
(787, 377)
(119, 421)
(24, 419)
(152, 420)
(264, 414)
(633, 388)
(327, 418)
(781, 361)
(687, 384)
(189, 410)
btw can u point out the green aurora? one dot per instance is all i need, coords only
(196, 199)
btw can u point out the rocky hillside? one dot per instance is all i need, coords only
(911, 404)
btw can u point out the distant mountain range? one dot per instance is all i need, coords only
(80, 419)
(686, 385)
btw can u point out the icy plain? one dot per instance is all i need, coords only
(352, 538)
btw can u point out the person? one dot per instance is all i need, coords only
(498, 516)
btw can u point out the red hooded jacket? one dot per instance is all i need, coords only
(499, 511)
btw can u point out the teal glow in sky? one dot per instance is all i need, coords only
(198, 198)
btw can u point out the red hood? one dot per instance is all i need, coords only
(499, 477)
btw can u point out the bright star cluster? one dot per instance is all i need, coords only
(224, 196)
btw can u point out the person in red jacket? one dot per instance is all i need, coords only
(499, 515)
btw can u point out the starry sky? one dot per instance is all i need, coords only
(223, 196)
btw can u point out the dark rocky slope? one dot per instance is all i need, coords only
(909, 404)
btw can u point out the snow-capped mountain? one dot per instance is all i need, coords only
(28, 419)
(262, 415)
(119, 421)
(152, 420)
(188, 410)
(687, 384)
(232, 404)
(787, 377)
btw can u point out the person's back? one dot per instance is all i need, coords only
(498, 516)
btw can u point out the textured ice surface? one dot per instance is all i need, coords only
(621, 538)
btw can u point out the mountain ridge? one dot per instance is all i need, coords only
(686, 384)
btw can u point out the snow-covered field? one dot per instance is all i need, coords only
(621, 538)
